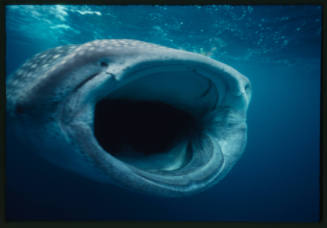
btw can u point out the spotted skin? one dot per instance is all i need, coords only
(33, 72)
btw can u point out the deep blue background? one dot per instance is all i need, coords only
(276, 47)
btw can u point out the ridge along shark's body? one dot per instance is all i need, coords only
(51, 103)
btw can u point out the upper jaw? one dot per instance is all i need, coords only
(234, 89)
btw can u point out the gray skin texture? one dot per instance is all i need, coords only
(51, 101)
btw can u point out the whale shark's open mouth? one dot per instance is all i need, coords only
(139, 115)
(166, 124)
(159, 124)
(151, 122)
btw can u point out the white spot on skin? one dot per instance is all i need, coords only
(20, 72)
(56, 56)
(52, 69)
(15, 83)
(78, 49)
(71, 56)
(97, 42)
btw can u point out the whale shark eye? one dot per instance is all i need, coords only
(103, 62)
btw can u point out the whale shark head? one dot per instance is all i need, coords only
(145, 117)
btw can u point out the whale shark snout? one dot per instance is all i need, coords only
(145, 117)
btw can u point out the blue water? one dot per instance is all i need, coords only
(277, 47)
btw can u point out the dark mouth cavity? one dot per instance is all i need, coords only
(152, 123)
(140, 128)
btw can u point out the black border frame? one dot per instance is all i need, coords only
(323, 116)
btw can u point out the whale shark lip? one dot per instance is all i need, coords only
(200, 159)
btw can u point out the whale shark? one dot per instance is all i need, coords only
(145, 117)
